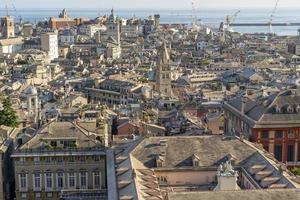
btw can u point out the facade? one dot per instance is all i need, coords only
(60, 161)
(130, 30)
(7, 27)
(163, 73)
(111, 92)
(272, 121)
(11, 45)
(49, 43)
(7, 183)
(63, 21)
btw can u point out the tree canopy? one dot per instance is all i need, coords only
(8, 115)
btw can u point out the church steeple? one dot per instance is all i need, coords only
(163, 72)
(164, 54)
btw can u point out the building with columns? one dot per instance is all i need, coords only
(273, 121)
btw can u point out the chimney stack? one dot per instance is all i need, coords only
(244, 102)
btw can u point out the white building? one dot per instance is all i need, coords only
(49, 43)
(92, 29)
(130, 30)
(11, 45)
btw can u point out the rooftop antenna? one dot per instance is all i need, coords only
(6, 9)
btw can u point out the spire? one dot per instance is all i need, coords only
(164, 56)
(112, 11)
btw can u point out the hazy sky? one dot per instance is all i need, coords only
(151, 4)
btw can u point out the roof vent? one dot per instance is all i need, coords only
(297, 108)
(289, 109)
(277, 109)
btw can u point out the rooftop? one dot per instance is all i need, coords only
(237, 195)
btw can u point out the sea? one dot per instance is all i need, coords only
(209, 17)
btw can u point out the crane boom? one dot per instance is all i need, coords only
(230, 20)
(271, 17)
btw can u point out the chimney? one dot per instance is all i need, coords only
(244, 102)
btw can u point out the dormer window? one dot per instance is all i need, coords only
(196, 160)
(277, 109)
(297, 109)
(289, 109)
(159, 161)
(196, 163)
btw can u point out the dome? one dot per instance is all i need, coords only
(112, 17)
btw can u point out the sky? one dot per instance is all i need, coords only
(150, 4)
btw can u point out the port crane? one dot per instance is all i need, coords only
(230, 20)
(17, 13)
(194, 16)
(271, 17)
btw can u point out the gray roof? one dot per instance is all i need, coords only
(237, 195)
(211, 151)
(60, 131)
(273, 109)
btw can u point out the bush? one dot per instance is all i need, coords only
(296, 171)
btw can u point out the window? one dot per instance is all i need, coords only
(266, 147)
(23, 181)
(59, 159)
(290, 153)
(37, 195)
(48, 159)
(71, 159)
(37, 180)
(82, 158)
(48, 180)
(22, 160)
(83, 179)
(196, 163)
(162, 180)
(96, 158)
(278, 134)
(264, 135)
(53, 143)
(291, 134)
(49, 194)
(278, 152)
(60, 179)
(97, 179)
(72, 180)
(23, 195)
(36, 159)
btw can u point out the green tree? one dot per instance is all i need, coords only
(8, 115)
(296, 171)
